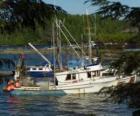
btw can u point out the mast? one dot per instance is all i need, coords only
(58, 46)
(54, 60)
(95, 28)
(89, 38)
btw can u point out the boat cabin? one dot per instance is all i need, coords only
(77, 76)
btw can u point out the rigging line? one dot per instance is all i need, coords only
(40, 53)
(72, 37)
(67, 39)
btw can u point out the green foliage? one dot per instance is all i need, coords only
(114, 37)
(32, 22)
(18, 14)
(134, 17)
(25, 36)
(116, 10)
(128, 94)
(106, 31)
(23, 21)
(127, 63)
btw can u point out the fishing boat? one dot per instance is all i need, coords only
(73, 85)
(75, 80)
(40, 71)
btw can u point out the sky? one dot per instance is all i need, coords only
(78, 6)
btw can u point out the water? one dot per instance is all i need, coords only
(83, 105)
(35, 59)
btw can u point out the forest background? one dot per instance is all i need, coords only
(23, 21)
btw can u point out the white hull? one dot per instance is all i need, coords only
(73, 88)
(87, 87)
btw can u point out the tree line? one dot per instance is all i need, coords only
(23, 21)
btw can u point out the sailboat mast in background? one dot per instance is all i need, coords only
(89, 37)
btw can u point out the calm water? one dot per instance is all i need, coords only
(61, 106)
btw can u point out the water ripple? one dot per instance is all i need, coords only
(88, 104)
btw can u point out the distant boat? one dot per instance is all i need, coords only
(40, 71)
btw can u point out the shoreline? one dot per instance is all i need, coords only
(22, 50)
(103, 53)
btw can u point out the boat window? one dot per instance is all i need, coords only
(28, 68)
(73, 76)
(93, 73)
(98, 73)
(56, 81)
(89, 74)
(40, 68)
(68, 77)
(34, 68)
